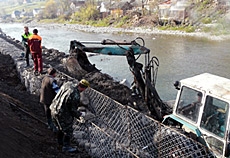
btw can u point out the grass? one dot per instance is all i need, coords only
(220, 29)
(187, 29)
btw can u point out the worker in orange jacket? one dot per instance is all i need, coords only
(34, 43)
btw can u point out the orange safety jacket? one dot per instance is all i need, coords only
(34, 42)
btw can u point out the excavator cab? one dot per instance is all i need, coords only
(202, 111)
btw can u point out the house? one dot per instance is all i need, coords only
(178, 11)
(173, 10)
(104, 9)
(36, 11)
(26, 14)
(76, 5)
(164, 10)
(114, 9)
(15, 14)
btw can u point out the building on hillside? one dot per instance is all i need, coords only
(173, 10)
(178, 11)
(15, 14)
(36, 11)
(114, 9)
(104, 9)
(164, 10)
(26, 14)
(76, 5)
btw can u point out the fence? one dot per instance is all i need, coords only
(120, 131)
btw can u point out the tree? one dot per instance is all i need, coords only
(88, 12)
(50, 10)
(63, 6)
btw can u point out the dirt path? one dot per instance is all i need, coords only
(23, 132)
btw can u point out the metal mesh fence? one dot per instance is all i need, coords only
(119, 131)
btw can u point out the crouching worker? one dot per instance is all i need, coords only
(49, 89)
(64, 110)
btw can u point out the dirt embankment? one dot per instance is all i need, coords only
(23, 130)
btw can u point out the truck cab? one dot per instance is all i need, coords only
(201, 111)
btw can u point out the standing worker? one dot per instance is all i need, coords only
(64, 110)
(34, 42)
(49, 89)
(25, 37)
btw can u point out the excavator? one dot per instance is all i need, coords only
(144, 75)
(206, 120)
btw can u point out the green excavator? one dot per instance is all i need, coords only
(144, 75)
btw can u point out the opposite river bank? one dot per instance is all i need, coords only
(138, 30)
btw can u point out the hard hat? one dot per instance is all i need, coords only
(84, 82)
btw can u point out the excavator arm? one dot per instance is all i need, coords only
(144, 76)
(111, 48)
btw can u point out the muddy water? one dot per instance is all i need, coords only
(179, 57)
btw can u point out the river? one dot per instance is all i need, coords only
(180, 57)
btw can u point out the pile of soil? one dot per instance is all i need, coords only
(77, 65)
(23, 131)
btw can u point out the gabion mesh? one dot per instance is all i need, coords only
(119, 131)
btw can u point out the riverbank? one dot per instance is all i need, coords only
(24, 132)
(134, 30)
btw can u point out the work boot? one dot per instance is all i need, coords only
(36, 73)
(68, 149)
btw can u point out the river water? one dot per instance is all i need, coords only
(180, 57)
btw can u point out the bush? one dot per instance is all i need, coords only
(120, 22)
(89, 12)
(206, 20)
(190, 29)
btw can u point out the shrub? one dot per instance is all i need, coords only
(206, 20)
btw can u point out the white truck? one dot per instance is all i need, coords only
(201, 111)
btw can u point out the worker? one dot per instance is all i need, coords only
(49, 89)
(64, 110)
(193, 108)
(25, 37)
(34, 42)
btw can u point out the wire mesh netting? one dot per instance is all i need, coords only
(120, 131)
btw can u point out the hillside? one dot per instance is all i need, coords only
(204, 16)
(6, 7)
